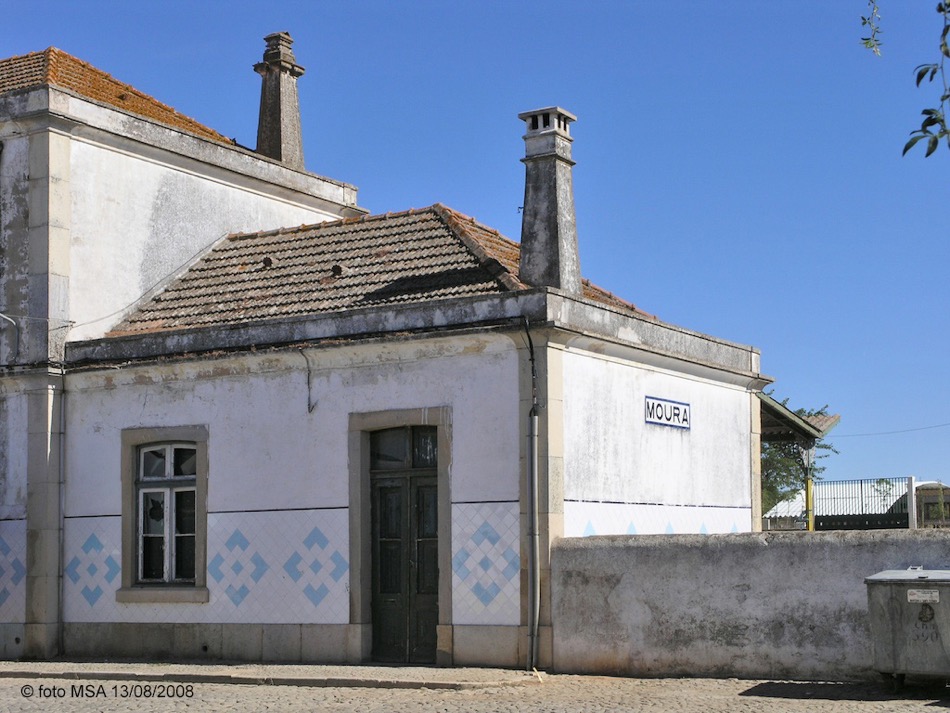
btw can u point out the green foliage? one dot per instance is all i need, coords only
(785, 465)
(934, 126)
(873, 40)
(933, 129)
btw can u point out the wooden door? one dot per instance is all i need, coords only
(405, 548)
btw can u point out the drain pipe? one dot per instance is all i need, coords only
(534, 564)
(61, 604)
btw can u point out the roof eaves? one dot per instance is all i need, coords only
(799, 425)
(71, 74)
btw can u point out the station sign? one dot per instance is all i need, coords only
(664, 412)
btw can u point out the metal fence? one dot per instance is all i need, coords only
(867, 504)
(864, 504)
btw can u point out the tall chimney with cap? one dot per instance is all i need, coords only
(549, 255)
(278, 128)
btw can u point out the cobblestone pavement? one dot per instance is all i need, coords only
(37, 687)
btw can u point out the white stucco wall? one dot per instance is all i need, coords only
(623, 475)
(276, 472)
(136, 221)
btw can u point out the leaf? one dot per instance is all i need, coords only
(913, 142)
(932, 145)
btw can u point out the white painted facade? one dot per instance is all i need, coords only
(279, 476)
(626, 475)
(146, 218)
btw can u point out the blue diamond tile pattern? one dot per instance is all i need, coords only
(238, 567)
(92, 569)
(280, 567)
(486, 563)
(315, 564)
(460, 563)
(12, 570)
(316, 595)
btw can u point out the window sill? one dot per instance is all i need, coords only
(162, 595)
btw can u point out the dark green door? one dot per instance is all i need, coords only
(405, 545)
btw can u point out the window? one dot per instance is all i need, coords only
(166, 522)
(164, 515)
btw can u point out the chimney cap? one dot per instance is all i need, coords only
(551, 118)
(279, 54)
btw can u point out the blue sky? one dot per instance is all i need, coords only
(739, 166)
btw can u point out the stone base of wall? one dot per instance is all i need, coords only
(11, 641)
(305, 643)
(501, 646)
(498, 646)
(757, 605)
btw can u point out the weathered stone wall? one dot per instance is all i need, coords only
(776, 605)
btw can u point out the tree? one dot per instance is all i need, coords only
(785, 464)
(934, 127)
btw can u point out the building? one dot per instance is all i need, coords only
(350, 440)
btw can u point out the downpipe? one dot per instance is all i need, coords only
(534, 564)
(61, 604)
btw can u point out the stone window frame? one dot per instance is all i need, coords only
(162, 592)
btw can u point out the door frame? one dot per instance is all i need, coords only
(360, 634)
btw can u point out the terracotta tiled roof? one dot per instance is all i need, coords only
(416, 256)
(824, 422)
(54, 67)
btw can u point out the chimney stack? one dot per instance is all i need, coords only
(278, 128)
(549, 255)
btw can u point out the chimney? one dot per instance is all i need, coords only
(278, 128)
(549, 255)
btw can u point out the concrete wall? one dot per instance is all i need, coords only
(778, 605)
(278, 471)
(623, 475)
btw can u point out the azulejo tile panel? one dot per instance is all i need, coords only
(486, 563)
(584, 519)
(288, 567)
(92, 568)
(12, 571)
